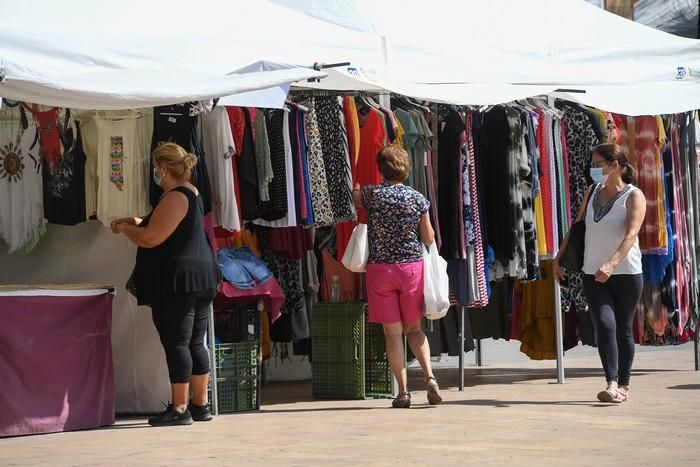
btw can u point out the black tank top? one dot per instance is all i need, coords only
(183, 263)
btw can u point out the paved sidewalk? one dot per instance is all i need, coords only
(509, 414)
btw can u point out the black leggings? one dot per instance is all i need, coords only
(612, 306)
(181, 321)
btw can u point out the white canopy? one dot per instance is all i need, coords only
(136, 53)
(473, 52)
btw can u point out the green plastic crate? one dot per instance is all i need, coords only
(237, 376)
(348, 357)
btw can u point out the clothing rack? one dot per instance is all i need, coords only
(310, 92)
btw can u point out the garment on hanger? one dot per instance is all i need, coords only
(180, 124)
(219, 149)
(64, 185)
(262, 156)
(336, 157)
(21, 196)
(123, 168)
(247, 170)
(320, 196)
(49, 137)
(276, 207)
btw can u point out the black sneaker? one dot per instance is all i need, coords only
(171, 417)
(200, 413)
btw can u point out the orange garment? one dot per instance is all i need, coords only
(353, 128)
(246, 238)
(536, 326)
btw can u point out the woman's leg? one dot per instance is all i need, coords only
(601, 303)
(420, 347)
(627, 289)
(174, 320)
(393, 335)
(200, 356)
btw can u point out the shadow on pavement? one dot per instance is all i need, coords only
(685, 386)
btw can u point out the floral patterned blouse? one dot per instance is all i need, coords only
(394, 216)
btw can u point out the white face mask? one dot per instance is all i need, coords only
(597, 174)
(156, 178)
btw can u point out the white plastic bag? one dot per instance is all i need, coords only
(436, 284)
(357, 252)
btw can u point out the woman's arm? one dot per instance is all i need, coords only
(165, 219)
(425, 230)
(125, 220)
(357, 196)
(636, 209)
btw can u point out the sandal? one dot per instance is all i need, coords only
(434, 397)
(623, 393)
(610, 396)
(402, 401)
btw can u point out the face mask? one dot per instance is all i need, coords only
(156, 178)
(597, 174)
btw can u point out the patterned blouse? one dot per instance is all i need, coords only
(394, 216)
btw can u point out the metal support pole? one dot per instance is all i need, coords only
(477, 354)
(211, 342)
(697, 346)
(460, 337)
(559, 333)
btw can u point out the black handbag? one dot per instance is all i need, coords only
(572, 256)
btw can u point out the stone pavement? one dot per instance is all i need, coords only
(509, 414)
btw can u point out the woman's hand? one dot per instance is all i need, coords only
(125, 221)
(604, 273)
(556, 270)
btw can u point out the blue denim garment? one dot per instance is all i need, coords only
(242, 268)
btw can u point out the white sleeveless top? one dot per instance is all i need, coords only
(605, 235)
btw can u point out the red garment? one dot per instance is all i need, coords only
(237, 121)
(291, 242)
(647, 144)
(372, 134)
(271, 293)
(545, 184)
(49, 139)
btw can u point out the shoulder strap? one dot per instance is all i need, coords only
(586, 197)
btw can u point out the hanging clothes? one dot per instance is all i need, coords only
(276, 207)
(49, 136)
(262, 156)
(64, 185)
(580, 139)
(21, 196)
(219, 149)
(451, 141)
(334, 144)
(180, 124)
(320, 196)
(123, 168)
(247, 170)
(536, 325)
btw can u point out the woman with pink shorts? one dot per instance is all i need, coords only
(398, 224)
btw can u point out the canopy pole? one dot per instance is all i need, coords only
(478, 360)
(460, 337)
(211, 342)
(559, 333)
(697, 346)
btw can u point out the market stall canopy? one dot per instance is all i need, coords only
(134, 53)
(450, 50)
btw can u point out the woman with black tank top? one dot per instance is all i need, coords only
(176, 275)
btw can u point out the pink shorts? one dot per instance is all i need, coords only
(395, 292)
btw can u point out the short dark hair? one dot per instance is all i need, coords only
(612, 152)
(393, 163)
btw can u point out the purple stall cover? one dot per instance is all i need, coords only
(56, 363)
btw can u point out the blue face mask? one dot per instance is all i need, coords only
(597, 174)
(156, 178)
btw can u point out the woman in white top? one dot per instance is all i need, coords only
(612, 265)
